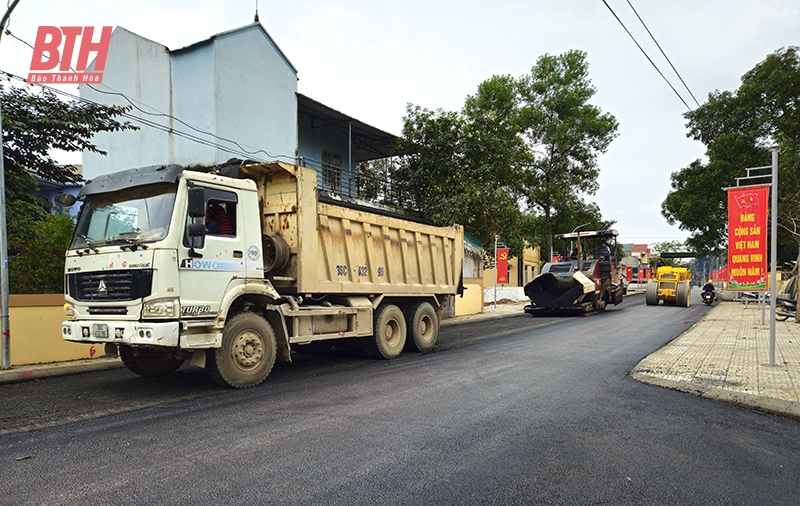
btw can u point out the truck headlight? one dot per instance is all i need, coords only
(161, 308)
(69, 311)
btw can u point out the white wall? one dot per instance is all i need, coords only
(138, 68)
(236, 86)
(256, 92)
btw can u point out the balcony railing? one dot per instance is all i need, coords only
(334, 183)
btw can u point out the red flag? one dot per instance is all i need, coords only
(747, 239)
(502, 266)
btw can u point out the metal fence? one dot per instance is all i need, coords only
(336, 183)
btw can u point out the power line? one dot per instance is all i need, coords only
(665, 54)
(143, 121)
(646, 56)
(243, 151)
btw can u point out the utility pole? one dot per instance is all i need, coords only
(773, 255)
(5, 336)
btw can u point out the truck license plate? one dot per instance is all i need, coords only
(100, 330)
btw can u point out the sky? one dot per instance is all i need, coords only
(369, 59)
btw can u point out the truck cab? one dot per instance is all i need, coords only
(143, 275)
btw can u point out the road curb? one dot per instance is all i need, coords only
(780, 407)
(39, 371)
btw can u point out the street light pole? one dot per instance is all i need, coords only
(4, 321)
(5, 332)
(773, 254)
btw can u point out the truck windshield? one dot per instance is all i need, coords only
(128, 217)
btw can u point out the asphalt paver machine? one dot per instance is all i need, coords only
(581, 281)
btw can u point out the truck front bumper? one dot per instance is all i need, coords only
(133, 333)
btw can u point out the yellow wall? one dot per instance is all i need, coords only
(472, 301)
(531, 264)
(35, 327)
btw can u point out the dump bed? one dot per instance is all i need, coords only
(339, 249)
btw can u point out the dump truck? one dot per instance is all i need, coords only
(281, 268)
(582, 281)
(672, 283)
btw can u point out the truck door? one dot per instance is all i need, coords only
(216, 258)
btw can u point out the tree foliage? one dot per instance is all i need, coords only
(516, 160)
(738, 129)
(37, 265)
(565, 135)
(33, 125)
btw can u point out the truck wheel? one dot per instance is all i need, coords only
(651, 294)
(148, 362)
(247, 354)
(682, 294)
(388, 333)
(423, 327)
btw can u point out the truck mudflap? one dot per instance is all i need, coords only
(122, 332)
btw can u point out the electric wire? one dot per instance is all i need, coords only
(143, 121)
(242, 150)
(665, 54)
(646, 56)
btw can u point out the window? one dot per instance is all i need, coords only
(220, 219)
(331, 172)
(140, 214)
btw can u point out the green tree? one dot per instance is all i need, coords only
(516, 160)
(572, 214)
(464, 167)
(38, 261)
(670, 246)
(565, 133)
(738, 129)
(33, 125)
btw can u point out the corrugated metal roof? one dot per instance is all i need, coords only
(369, 142)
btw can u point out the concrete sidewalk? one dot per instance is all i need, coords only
(725, 357)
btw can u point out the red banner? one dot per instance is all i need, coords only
(502, 266)
(747, 238)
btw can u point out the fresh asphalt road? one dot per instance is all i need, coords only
(512, 411)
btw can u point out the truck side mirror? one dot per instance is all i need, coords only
(196, 229)
(65, 200)
(197, 202)
(196, 232)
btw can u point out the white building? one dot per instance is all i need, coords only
(235, 93)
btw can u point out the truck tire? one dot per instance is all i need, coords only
(247, 354)
(651, 293)
(683, 294)
(423, 327)
(388, 333)
(148, 362)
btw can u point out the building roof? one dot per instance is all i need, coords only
(251, 26)
(369, 142)
(640, 248)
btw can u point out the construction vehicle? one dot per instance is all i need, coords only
(581, 281)
(672, 283)
(287, 270)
